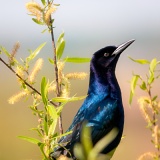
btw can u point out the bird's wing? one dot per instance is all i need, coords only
(99, 116)
(102, 118)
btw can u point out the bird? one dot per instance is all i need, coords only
(102, 110)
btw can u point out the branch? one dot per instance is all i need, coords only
(58, 87)
(26, 83)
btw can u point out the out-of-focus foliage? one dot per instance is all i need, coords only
(149, 104)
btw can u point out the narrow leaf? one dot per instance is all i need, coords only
(37, 21)
(143, 86)
(60, 49)
(52, 127)
(60, 38)
(53, 114)
(35, 53)
(52, 111)
(78, 151)
(44, 91)
(141, 61)
(151, 78)
(43, 2)
(30, 139)
(134, 82)
(153, 65)
(45, 123)
(133, 86)
(86, 140)
(77, 60)
(3, 49)
(130, 97)
(101, 144)
(60, 108)
(51, 61)
(70, 99)
(154, 98)
(41, 146)
(44, 30)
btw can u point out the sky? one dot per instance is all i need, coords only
(88, 26)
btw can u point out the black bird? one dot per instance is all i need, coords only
(103, 108)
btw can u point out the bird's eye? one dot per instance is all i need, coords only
(106, 54)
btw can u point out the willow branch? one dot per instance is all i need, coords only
(26, 83)
(58, 87)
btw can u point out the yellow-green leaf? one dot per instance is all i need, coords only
(37, 21)
(86, 140)
(44, 91)
(4, 50)
(141, 61)
(153, 65)
(35, 52)
(67, 99)
(77, 60)
(60, 49)
(133, 86)
(30, 139)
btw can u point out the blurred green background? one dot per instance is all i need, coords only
(88, 25)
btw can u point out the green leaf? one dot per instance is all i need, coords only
(37, 21)
(35, 53)
(52, 127)
(56, 135)
(153, 65)
(36, 110)
(134, 82)
(41, 146)
(53, 114)
(133, 86)
(102, 143)
(60, 108)
(61, 36)
(51, 61)
(43, 2)
(143, 86)
(154, 98)
(56, 4)
(52, 111)
(44, 30)
(38, 131)
(141, 61)
(3, 49)
(152, 68)
(44, 91)
(130, 97)
(78, 151)
(77, 60)
(86, 140)
(69, 99)
(60, 49)
(151, 78)
(30, 139)
(60, 45)
(45, 123)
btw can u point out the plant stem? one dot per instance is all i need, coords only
(58, 87)
(24, 81)
(150, 96)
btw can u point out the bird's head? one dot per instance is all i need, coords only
(106, 58)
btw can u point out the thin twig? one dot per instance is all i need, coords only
(58, 87)
(26, 83)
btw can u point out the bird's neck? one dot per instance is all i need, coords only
(104, 82)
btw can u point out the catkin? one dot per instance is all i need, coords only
(76, 75)
(17, 97)
(37, 67)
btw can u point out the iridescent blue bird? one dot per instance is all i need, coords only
(103, 108)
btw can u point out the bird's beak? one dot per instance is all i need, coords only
(123, 46)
